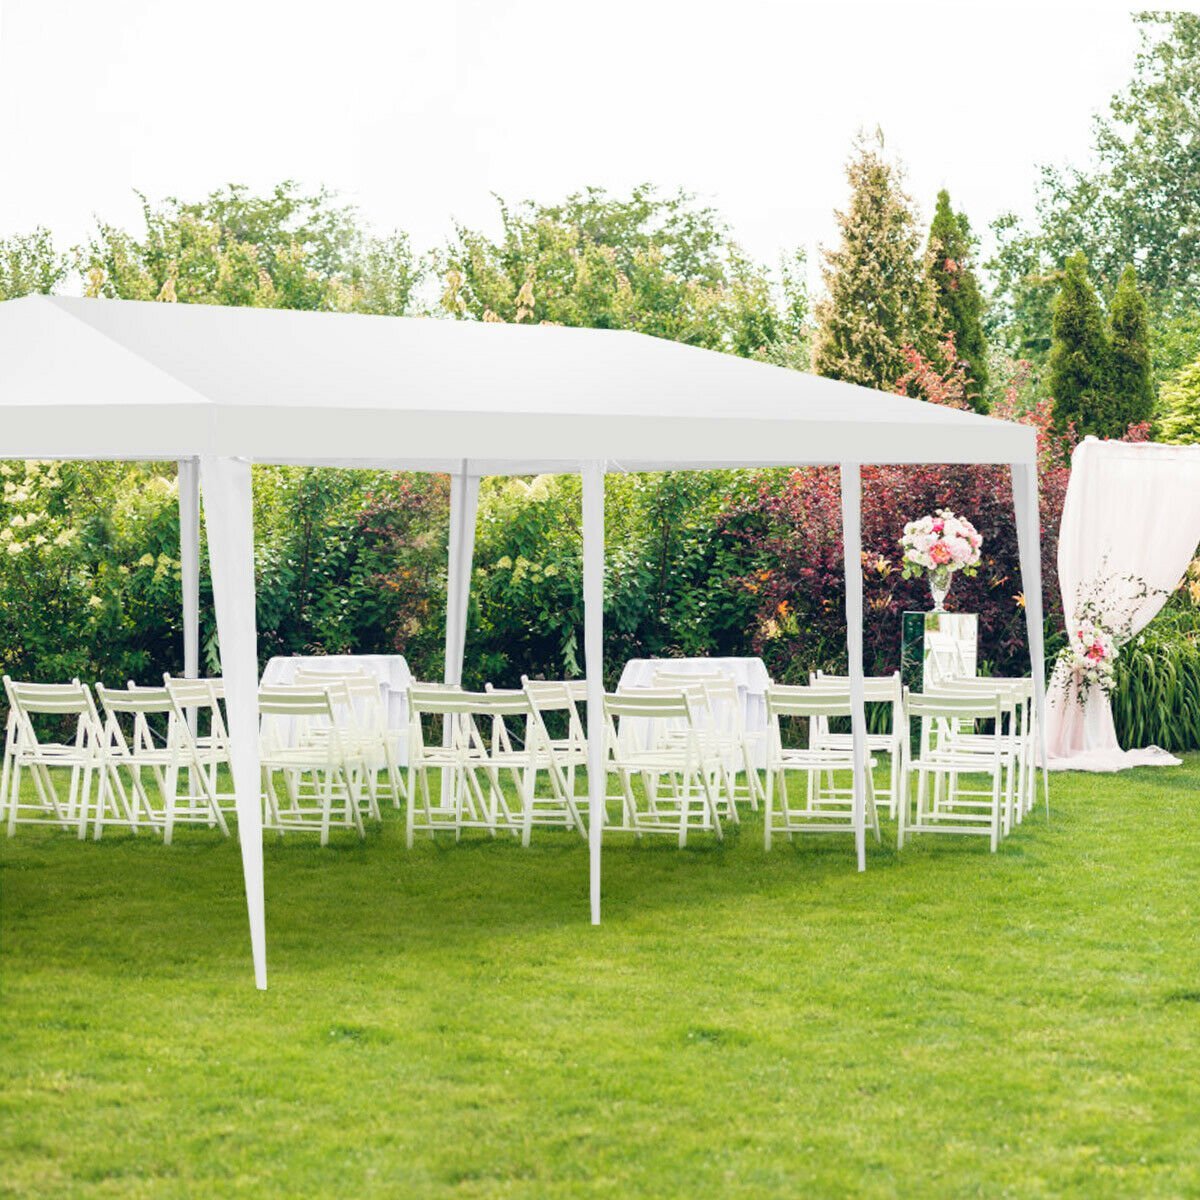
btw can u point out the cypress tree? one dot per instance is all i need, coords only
(957, 301)
(1078, 374)
(876, 300)
(1131, 382)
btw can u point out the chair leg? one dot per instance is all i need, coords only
(768, 808)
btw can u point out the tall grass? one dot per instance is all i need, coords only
(1156, 698)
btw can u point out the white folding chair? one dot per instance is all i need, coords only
(80, 753)
(944, 802)
(369, 732)
(560, 753)
(676, 771)
(1016, 702)
(197, 705)
(725, 725)
(471, 796)
(170, 755)
(318, 773)
(877, 689)
(825, 806)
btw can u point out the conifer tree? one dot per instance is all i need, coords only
(954, 290)
(1181, 406)
(1078, 375)
(876, 301)
(1131, 383)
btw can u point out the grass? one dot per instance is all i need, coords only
(445, 1023)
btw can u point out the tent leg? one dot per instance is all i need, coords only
(593, 651)
(229, 518)
(852, 551)
(464, 503)
(1029, 545)
(189, 562)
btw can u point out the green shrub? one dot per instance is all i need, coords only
(1156, 697)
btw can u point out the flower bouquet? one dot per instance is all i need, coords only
(938, 546)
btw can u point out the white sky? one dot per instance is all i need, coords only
(417, 112)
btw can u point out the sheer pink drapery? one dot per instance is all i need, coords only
(1132, 509)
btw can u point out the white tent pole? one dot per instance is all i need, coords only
(1029, 546)
(189, 562)
(229, 519)
(464, 505)
(593, 654)
(852, 551)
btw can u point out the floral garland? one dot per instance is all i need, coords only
(1103, 618)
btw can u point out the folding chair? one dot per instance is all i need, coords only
(676, 756)
(724, 724)
(470, 796)
(81, 754)
(197, 705)
(561, 755)
(944, 804)
(826, 806)
(317, 773)
(370, 732)
(167, 755)
(877, 689)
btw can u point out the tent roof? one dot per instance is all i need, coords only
(125, 379)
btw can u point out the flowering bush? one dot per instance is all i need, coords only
(1090, 657)
(941, 543)
(1104, 613)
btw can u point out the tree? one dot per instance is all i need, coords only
(1131, 383)
(1079, 359)
(877, 301)
(957, 301)
(659, 265)
(30, 263)
(1141, 203)
(1181, 406)
(281, 250)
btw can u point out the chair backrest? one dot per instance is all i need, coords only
(665, 676)
(194, 693)
(650, 704)
(364, 690)
(296, 700)
(877, 689)
(59, 699)
(554, 695)
(191, 697)
(439, 699)
(503, 702)
(800, 700)
(953, 706)
(135, 699)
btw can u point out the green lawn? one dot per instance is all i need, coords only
(445, 1022)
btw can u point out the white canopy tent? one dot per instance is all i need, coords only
(219, 388)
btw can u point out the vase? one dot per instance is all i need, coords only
(939, 585)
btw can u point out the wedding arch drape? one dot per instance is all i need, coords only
(1130, 525)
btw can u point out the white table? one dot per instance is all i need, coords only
(390, 669)
(750, 675)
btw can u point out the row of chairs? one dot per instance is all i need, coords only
(678, 753)
(174, 733)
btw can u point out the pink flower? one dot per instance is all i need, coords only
(939, 525)
(941, 553)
